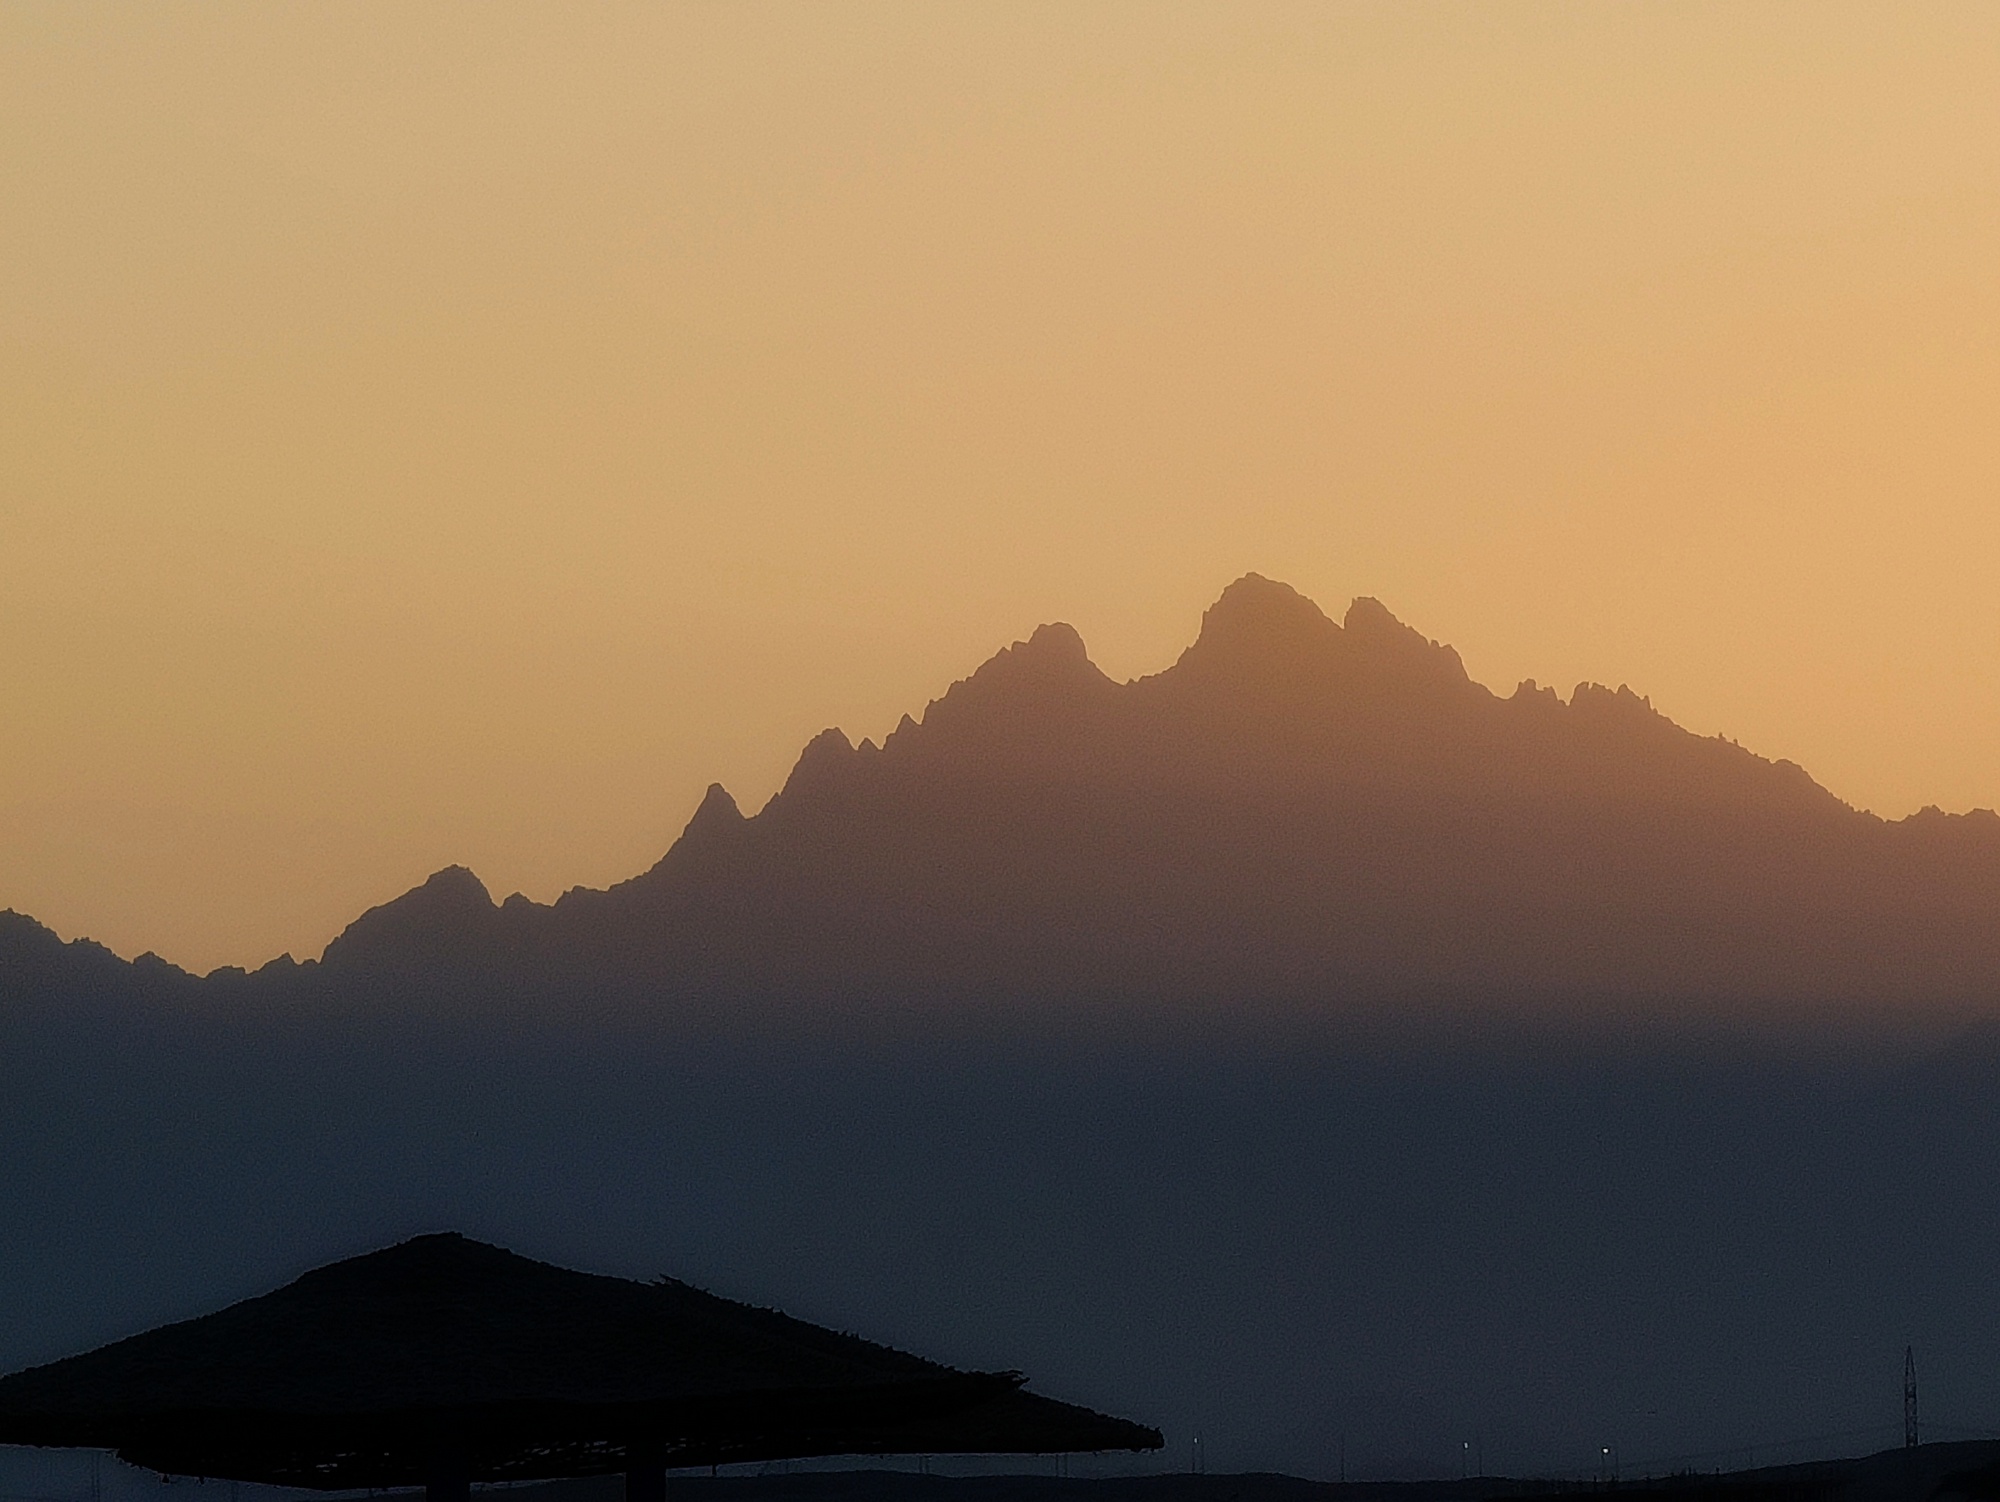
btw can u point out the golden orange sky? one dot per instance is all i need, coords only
(459, 434)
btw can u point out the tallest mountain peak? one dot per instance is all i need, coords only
(1256, 614)
(1263, 631)
(1255, 595)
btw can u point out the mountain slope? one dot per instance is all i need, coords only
(1296, 811)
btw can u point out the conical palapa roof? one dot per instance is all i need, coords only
(444, 1352)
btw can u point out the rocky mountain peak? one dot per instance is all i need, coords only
(1259, 619)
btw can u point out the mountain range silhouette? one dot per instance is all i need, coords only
(1298, 813)
(1223, 1046)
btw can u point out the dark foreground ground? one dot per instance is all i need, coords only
(1961, 1472)
(1967, 1471)
(1543, 1248)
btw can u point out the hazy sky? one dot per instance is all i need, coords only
(437, 434)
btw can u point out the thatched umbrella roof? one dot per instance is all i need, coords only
(445, 1352)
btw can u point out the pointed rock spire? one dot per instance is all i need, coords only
(1257, 617)
(718, 813)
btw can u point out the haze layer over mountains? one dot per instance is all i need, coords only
(1297, 814)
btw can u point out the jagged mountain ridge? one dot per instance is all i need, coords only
(1296, 810)
(1294, 806)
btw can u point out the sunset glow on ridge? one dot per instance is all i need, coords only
(460, 436)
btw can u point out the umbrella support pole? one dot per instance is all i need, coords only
(450, 1480)
(645, 1474)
